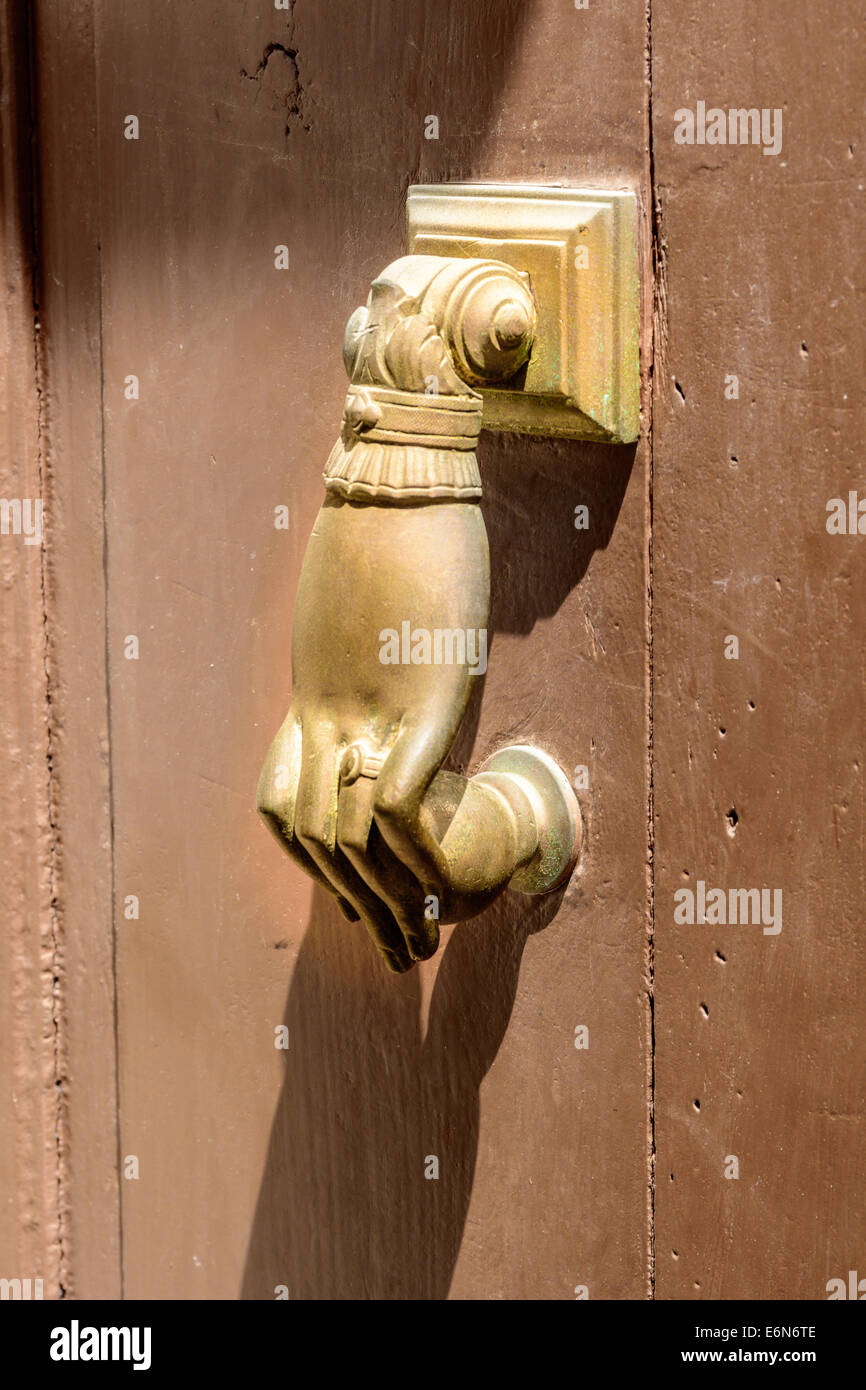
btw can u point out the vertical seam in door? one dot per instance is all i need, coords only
(43, 475)
(650, 944)
(107, 657)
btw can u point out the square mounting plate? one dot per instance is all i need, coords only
(579, 249)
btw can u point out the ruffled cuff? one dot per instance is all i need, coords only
(402, 446)
(402, 473)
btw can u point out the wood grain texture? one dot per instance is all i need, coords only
(154, 259)
(66, 99)
(260, 1168)
(30, 1234)
(758, 762)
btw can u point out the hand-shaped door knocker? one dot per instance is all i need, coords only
(391, 627)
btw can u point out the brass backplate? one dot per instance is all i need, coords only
(579, 250)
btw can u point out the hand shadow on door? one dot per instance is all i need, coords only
(370, 1109)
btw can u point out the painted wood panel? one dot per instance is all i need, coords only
(759, 743)
(175, 392)
(257, 1167)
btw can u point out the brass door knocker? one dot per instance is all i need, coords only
(391, 627)
(520, 302)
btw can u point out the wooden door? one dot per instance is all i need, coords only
(202, 194)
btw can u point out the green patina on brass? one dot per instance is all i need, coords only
(579, 248)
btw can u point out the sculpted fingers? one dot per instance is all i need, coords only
(316, 814)
(361, 843)
(350, 817)
(276, 801)
(417, 755)
(278, 784)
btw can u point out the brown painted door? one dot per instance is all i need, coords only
(622, 1103)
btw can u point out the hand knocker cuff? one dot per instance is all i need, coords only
(411, 420)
